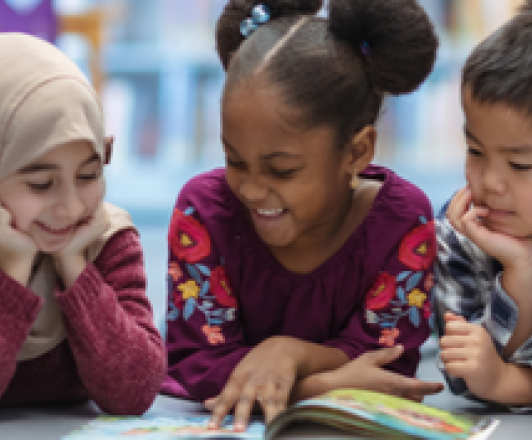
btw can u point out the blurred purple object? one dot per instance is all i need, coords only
(40, 21)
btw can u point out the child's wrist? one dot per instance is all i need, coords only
(19, 270)
(496, 391)
(70, 268)
(516, 281)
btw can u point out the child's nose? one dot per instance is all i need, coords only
(253, 191)
(70, 205)
(492, 181)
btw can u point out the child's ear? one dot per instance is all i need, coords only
(361, 148)
(108, 145)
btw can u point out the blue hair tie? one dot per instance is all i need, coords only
(260, 14)
(364, 48)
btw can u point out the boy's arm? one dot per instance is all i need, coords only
(516, 388)
(465, 285)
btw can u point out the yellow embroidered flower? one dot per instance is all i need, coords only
(416, 298)
(186, 241)
(190, 289)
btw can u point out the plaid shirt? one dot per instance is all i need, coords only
(467, 282)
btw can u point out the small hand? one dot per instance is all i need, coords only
(467, 351)
(366, 372)
(266, 375)
(17, 249)
(468, 220)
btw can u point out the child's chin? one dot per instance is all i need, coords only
(52, 248)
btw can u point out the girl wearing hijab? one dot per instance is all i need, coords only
(75, 322)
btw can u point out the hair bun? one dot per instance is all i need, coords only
(281, 8)
(228, 37)
(398, 35)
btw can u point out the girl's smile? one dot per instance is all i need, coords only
(294, 182)
(52, 197)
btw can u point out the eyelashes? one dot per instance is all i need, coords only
(44, 186)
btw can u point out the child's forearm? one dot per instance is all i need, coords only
(311, 386)
(514, 388)
(515, 284)
(316, 358)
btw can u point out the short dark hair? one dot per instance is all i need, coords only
(499, 70)
(332, 71)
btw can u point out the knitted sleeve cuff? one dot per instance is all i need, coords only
(17, 300)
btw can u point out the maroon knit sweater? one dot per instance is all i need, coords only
(113, 354)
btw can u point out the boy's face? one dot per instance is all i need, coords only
(49, 198)
(499, 164)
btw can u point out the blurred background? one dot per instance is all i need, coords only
(154, 65)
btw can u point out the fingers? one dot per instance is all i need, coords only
(473, 227)
(450, 316)
(458, 327)
(458, 207)
(244, 406)
(223, 405)
(385, 356)
(415, 389)
(460, 368)
(209, 403)
(274, 399)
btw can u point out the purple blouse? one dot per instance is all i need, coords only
(227, 292)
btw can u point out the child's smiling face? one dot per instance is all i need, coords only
(50, 197)
(294, 182)
(499, 164)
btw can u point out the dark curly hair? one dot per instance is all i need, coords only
(332, 71)
(499, 70)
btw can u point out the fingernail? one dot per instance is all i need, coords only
(239, 426)
(212, 424)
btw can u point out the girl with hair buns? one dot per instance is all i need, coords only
(300, 267)
(74, 318)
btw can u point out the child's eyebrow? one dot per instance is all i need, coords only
(283, 154)
(269, 156)
(524, 149)
(519, 149)
(469, 135)
(36, 167)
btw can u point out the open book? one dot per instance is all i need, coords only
(362, 413)
(376, 415)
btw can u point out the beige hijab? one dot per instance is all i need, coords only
(46, 101)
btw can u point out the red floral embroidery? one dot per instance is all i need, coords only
(221, 288)
(427, 310)
(388, 337)
(381, 293)
(175, 271)
(179, 302)
(429, 282)
(418, 248)
(188, 238)
(214, 334)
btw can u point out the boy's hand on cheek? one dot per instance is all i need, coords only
(266, 375)
(467, 351)
(468, 220)
(17, 249)
(71, 260)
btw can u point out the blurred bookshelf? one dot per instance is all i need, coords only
(162, 83)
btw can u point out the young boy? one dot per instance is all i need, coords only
(483, 279)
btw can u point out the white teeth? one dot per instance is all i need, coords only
(270, 212)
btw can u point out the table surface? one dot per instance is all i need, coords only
(51, 423)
